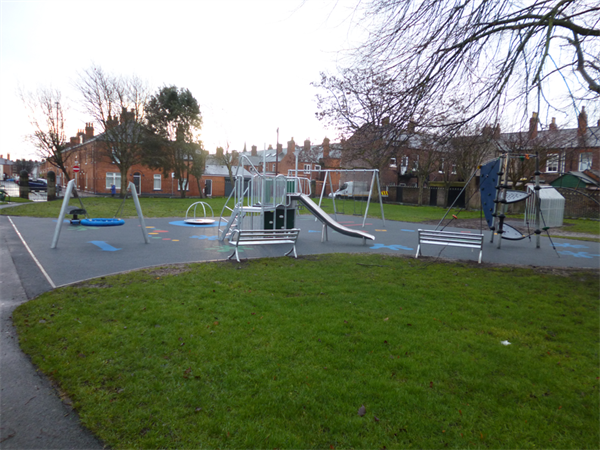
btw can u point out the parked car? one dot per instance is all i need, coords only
(38, 185)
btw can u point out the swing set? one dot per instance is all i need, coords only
(363, 181)
(95, 222)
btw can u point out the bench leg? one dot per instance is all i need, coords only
(292, 250)
(418, 251)
(235, 253)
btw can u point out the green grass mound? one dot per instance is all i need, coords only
(282, 353)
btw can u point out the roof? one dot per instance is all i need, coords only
(555, 139)
(219, 170)
(585, 178)
(316, 153)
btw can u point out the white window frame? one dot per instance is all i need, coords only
(586, 160)
(113, 178)
(403, 165)
(157, 182)
(187, 187)
(317, 167)
(306, 168)
(552, 163)
(393, 163)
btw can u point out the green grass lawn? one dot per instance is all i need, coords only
(282, 353)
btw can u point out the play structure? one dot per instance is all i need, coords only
(94, 222)
(264, 202)
(544, 207)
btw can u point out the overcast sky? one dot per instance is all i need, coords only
(249, 63)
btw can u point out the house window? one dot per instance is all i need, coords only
(393, 162)
(115, 159)
(552, 162)
(453, 169)
(183, 183)
(306, 168)
(157, 181)
(113, 178)
(441, 168)
(403, 165)
(585, 161)
(317, 167)
(416, 163)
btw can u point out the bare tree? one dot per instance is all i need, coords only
(367, 111)
(490, 52)
(470, 148)
(46, 115)
(117, 104)
(228, 159)
(198, 167)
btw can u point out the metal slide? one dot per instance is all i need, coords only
(326, 219)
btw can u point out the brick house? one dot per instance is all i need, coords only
(311, 160)
(97, 173)
(561, 151)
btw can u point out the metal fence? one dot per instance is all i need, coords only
(580, 203)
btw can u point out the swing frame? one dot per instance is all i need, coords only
(65, 205)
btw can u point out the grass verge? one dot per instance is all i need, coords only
(282, 353)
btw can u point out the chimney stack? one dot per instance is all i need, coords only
(385, 121)
(533, 126)
(279, 148)
(89, 131)
(582, 123)
(254, 151)
(411, 126)
(325, 148)
(306, 148)
(291, 146)
(553, 126)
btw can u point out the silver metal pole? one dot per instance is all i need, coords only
(61, 215)
(138, 208)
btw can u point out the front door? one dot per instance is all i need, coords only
(137, 182)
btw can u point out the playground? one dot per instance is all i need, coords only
(397, 316)
(264, 210)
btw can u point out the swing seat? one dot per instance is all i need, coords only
(74, 211)
(99, 222)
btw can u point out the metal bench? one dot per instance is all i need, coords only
(263, 237)
(451, 239)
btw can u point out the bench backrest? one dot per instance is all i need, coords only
(276, 235)
(470, 240)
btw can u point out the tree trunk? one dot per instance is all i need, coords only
(124, 182)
